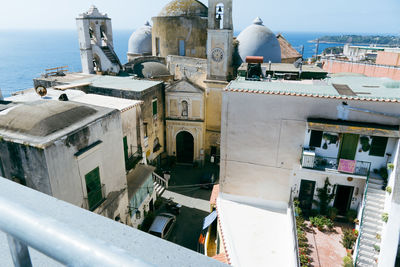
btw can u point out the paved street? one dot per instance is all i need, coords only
(194, 201)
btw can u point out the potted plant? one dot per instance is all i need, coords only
(351, 215)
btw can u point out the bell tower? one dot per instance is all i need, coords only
(220, 39)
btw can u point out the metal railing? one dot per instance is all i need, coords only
(134, 159)
(25, 228)
(316, 162)
(294, 229)
(360, 232)
(160, 180)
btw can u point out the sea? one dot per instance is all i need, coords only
(25, 55)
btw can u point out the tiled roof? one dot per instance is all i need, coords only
(287, 50)
(365, 88)
(214, 195)
(221, 257)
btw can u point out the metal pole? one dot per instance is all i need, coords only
(58, 241)
(19, 252)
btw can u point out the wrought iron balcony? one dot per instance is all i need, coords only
(311, 161)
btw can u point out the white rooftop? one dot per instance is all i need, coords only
(107, 101)
(52, 94)
(256, 233)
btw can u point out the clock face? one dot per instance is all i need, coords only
(217, 54)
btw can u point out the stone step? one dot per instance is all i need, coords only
(375, 181)
(159, 189)
(372, 213)
(374, 204)
(365, 261)
(373, 220)
(371, 231)
(374, 208)
(375, 186)
(376, 191)
(376, 200)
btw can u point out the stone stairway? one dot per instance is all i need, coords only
(110, 54)
(372, 224)
(160, 189)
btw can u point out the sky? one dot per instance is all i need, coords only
(336, 16)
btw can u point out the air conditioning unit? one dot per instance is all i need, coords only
(308, 159)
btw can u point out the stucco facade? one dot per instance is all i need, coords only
(264, 168)
(57, 164)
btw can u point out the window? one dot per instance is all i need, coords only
(94, 189)
(185, 109)
(157, 46)
(2, 173)
(155, 107)
(182, 48)
(316, 138)
(125, 140)
(378, 146)
(145, 130)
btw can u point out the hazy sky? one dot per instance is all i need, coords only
(340, 16)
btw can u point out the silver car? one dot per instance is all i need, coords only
(162, 225)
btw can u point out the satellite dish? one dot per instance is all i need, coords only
(41, 90)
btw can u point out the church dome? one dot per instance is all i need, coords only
(140, 41)
(150, 69)
(258, 40)
(177, 8)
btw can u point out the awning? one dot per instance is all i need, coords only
(339, 126)
(209, 219)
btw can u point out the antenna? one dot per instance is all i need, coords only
(41, 90)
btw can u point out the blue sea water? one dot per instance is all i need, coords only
(25, 55)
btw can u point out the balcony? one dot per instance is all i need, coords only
(134, 159)
(311, 161)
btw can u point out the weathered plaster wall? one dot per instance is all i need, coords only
(169, 30)
(262, 138)
(193, 69)
(67, 171)
(155, 125)
(25, 163)
(132, 128)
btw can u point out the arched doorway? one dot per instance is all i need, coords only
(184, 147)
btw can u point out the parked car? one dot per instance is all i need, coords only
(162, 225)
(208, 180)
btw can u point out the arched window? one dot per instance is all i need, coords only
(219, 16)
(185, 108)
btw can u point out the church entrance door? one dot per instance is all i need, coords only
(184, 147)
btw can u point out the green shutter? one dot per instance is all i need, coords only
(154, 107)
(126, 148)
(349, 146)
(378, 146)
(93, 187)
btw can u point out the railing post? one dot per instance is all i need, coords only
(19, 252)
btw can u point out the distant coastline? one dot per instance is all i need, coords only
(380, 40)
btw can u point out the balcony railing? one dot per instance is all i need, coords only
(311, 161)
(134, 159)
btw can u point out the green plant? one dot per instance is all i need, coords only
(304, 258)
(351, 215)
(364, 141)
(377, 248)
(348, 261)
(383, 173)
(332, 213)
(389, 189)
(148, 220)
(331, 138)
(385, 217)
(324, 197)
(378, 236)
(349, 238)
(320, 222)
(158, 203)
(390, 166)
(325, 146)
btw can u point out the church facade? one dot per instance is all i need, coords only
(191, 48)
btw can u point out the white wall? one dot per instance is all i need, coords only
(67, 171)
(263, 135)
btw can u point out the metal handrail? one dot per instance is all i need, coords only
(56, 240)
(294, 228)
(323, 163)
(360, 232)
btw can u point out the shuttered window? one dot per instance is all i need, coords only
(316, 138)
(154, 107)
(378, 146)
